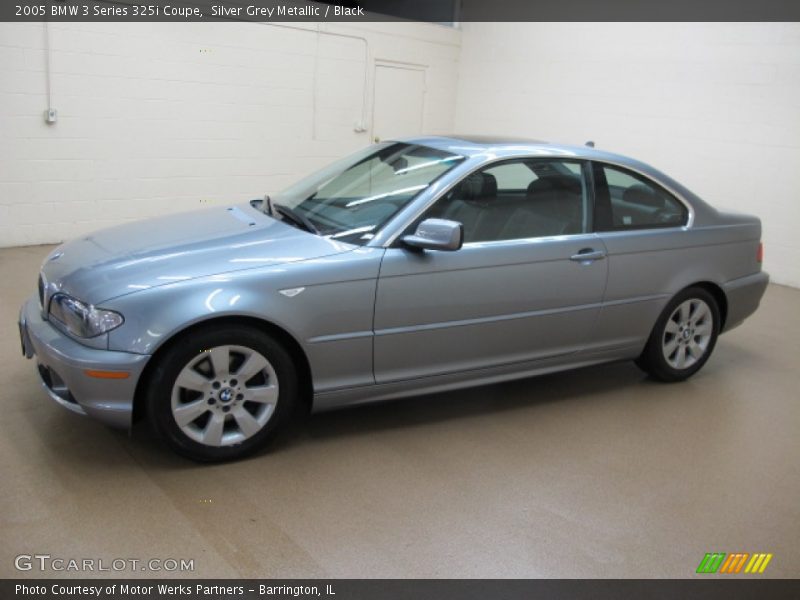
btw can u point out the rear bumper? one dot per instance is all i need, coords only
(62, 364)
(744, 295)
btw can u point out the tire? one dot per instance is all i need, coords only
(683, 337)
(222, 392)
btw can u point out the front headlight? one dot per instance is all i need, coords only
(81, 319)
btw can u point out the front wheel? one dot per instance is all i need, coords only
(221, 392)
(683, 337)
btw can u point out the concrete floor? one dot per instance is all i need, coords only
(595, 473)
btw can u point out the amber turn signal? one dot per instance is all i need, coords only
(107, 374)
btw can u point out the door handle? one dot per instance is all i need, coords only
(588, 255)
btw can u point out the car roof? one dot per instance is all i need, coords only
(472, 145)
(494, 140)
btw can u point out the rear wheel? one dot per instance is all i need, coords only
(683, 337)
(222, 392)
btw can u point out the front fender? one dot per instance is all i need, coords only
(330, 318)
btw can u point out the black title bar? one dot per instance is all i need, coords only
(434, 11)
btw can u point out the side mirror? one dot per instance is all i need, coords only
(436, 234)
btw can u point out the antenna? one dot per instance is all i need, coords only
(590, 143)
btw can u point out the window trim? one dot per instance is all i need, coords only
(585, 175)
(649, 180)
(392, 241)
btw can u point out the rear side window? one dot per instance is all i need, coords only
(626, 200)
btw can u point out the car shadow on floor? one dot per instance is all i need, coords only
(77, 439)
(474, 402)
(589, 384)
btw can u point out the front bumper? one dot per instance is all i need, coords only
(62, 364)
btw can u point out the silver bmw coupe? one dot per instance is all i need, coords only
(412, 266)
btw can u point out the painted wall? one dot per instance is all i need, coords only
(175, 116)
(715, 105)
(170, 116)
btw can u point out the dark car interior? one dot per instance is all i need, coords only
(624, 201)
(552, 204)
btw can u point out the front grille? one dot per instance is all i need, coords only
(44, 373)
(41, 291)
(55, 384)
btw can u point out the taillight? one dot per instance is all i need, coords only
(760, 252)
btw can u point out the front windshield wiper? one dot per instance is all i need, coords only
(268, 205)
(263, 204)
(301, 220)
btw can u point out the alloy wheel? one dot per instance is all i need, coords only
(687, 333)
(224, 395)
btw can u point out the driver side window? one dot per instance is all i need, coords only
(518, 199)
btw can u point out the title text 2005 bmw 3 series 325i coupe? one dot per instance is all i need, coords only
(412, 266)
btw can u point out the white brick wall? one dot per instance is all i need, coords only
(715, 105)
(169, 116)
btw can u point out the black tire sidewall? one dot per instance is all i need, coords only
(184, 349)
(653, 360)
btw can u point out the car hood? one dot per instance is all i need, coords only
(154, 252)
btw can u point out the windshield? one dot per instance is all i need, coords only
(353, 198)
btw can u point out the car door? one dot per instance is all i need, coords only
(526, 285)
